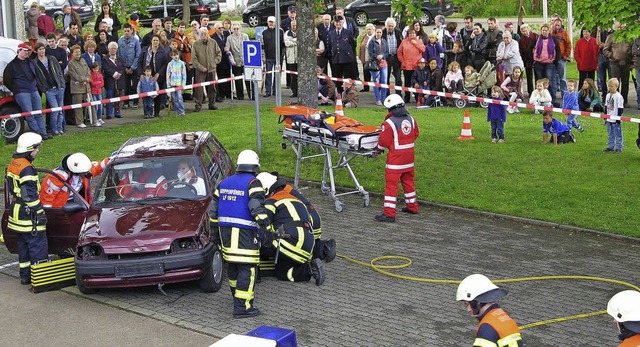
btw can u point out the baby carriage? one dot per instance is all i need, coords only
(488, 79)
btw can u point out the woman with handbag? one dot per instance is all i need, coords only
(378, 52)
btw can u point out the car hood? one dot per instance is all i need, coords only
(143, 228)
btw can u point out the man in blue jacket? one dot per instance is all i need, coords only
(129, 50)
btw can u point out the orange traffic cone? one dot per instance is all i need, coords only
(465, 134)
(339, 108)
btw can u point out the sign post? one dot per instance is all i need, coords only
(253, 72)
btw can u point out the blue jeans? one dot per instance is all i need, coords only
(572, 122)
(178, 103)
(97, 97)
(268, 82)
(110, 94)
(380, 77)
(497, 129)
(548, 71)
(603, 72)
(614, 130)
(561, 69)
(55, 98)
(147, 105)
(32, 102)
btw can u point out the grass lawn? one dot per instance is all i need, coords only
(575, 184)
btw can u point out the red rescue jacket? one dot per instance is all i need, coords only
(55, 194)
(398, 135)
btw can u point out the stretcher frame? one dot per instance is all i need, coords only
(346, 153)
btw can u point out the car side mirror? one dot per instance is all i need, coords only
(73, 207)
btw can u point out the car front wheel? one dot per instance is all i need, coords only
(212, 280)
(361, 18)
(253, 20)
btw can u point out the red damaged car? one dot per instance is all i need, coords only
(148, 223)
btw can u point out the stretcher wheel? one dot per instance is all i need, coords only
(366, 200)
(484, 104)
(324, 189)
(461, 103)
(284, 145)
(339, 206)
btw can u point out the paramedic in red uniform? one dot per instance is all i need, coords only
(399, 131)
(496, 328)
(624, 307)
(77, 170)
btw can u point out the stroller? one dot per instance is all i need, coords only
(488, 79)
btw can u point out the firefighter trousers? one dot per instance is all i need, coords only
(287, 269)
(242, 281)
(31, 250)
(391, 190)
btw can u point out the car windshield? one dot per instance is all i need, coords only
(148, 180)
(208, 2)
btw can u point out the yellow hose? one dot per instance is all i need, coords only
(407, 262)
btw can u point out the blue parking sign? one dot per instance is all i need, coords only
(252, 57)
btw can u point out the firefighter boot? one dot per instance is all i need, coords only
(384, 218)
(317, 271)
(252, 312)
(329, 252)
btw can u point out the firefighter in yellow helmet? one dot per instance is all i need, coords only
(27, 218)
(624, 307)
(496, 328)
(237, 210)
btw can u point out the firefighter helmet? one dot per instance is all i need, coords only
(78, 163)
(267, 180)
(624, 307)
(248, 161)
(393, 101)
(28, 142)
(479, 288)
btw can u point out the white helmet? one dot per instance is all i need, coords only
(267, 180)
(248, 161)
(78, 163)
(479, 288)
(624, 307)
(28, 142)
(392, 101)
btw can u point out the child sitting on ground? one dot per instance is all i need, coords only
(560, 132)
(497, 115)
(471, 77)
(589, 98)
(540, 96)
(420, 80)
(513, 88)
(147, 84)
(453, 79)
(326, 88)
(350, 95)
(570, 102)
(97, 82)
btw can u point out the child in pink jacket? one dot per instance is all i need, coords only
(97, 82)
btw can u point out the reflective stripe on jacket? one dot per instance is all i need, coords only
(287, 211)
(24, 188)
(506, 328)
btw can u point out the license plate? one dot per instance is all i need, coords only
(139, 270)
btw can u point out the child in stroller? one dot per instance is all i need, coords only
(484, 81)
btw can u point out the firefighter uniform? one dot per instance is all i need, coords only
(238, 212)
(497, 329)
(26, 217)
(146, 184)
(399, 132)
(55, 194)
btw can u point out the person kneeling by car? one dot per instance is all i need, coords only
(290, 220)
(77, 170)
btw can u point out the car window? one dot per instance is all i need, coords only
(211, 158)
(141, 180)
(82, 2)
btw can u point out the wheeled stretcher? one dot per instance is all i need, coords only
(304, 126)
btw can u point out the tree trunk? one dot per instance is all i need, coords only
(307, 78)
(21, 31)
(520, 14)
(123, 10)
(186, 12)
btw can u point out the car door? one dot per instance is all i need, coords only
(63, 224)
(380, 9)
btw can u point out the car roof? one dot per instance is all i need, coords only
(162, 145)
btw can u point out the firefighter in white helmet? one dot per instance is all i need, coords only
(399, 132)
(27, 217)
(624, 307)
(77, 170)
(237, 210)
(496, 328)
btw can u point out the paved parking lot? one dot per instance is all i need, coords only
(359, 307)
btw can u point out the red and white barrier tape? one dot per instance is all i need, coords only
(371, 84)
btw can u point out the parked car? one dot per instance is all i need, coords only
(12, 128)
(258, 11)
(53, 8)
(123, 240)
(174, 10)
(377, 11)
